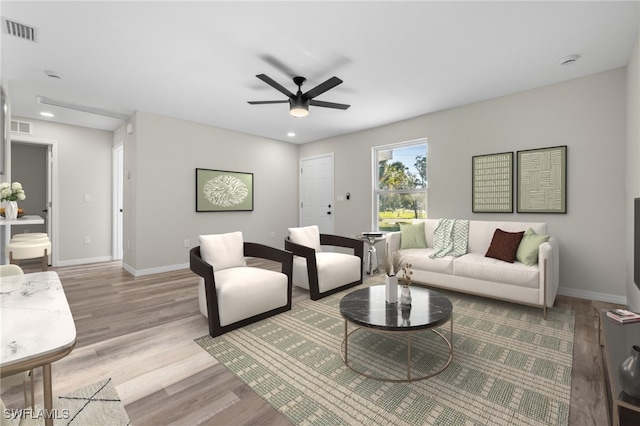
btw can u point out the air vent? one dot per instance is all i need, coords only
(16, 29)
(23, 127)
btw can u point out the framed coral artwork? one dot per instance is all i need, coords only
(223, 191)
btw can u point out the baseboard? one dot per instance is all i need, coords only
(152, 271)
(592, 295)
(76, 262)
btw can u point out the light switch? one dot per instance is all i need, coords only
(87, 198)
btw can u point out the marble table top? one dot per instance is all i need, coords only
(367, 307)
(35, 321)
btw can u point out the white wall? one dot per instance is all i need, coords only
(588, 115)
(633, 166)
(162, 155)
(84, 167)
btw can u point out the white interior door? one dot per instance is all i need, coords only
(49, 202)
(118, 176)
(316, 192)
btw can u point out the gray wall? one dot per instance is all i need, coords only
(84, 167)
(588, 115)
(633, 166)
(161, 156)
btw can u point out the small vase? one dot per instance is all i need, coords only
(405, 296)
(11, 210)
(629, 373)
(391, 289)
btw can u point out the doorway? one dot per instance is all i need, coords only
(316, 192)
(34, 164)
(29, 167)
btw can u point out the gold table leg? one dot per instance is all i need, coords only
(48, 395)
(448, 342)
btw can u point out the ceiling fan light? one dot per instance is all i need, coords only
(299, 107)
(299, 112)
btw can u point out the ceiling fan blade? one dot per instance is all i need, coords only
(328, 104)
(322, 87)
(267, 102)
(271, 82)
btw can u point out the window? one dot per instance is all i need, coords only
(400, 184)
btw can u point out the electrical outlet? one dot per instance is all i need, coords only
(273, 234)
(186, 243)
(87, 198)
(87, 239)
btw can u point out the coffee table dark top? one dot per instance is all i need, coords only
(367, 307)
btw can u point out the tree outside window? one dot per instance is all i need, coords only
(401, 184)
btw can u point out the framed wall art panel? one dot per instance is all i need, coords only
(223, 191)
(492, 186)
(542, 180)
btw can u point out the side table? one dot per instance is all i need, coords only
(372, 265)
(618, 339)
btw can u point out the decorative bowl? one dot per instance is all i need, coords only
(20, 212)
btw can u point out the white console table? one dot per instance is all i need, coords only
(5, 230)
(24, 220)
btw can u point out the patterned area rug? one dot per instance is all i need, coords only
(96, 404)
(510, 367)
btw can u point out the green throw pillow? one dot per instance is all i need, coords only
(528, 249)
(412, 236)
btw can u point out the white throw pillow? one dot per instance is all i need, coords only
(308, 236)
(223, 251)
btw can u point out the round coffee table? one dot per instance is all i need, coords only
(367, 308)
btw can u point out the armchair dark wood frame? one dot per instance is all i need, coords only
(312, 266)
(205, 270)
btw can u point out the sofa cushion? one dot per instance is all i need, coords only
(504, 245)
(481, 232)
(308, 236)
(475, 265)
(420, 260)
(334, 270)
(529, 246)
(223, 251)
(413, 236)
(245, 292)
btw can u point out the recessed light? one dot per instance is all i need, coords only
(291, 134)
(46, 114)
(568, 60)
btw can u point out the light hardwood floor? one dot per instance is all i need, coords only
(140, 331)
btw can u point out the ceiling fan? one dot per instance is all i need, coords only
(299, 102)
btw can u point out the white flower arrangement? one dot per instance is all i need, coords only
(12, 192)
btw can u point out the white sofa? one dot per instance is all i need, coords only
(474, 273)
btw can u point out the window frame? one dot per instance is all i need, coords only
(377, 192)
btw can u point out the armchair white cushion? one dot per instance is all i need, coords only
(308, 236)
(244, 292)
(223, 251)
(334, 270)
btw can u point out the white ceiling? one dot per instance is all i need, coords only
(197, 61)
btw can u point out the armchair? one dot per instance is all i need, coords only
(232, 294)
(322, 272)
